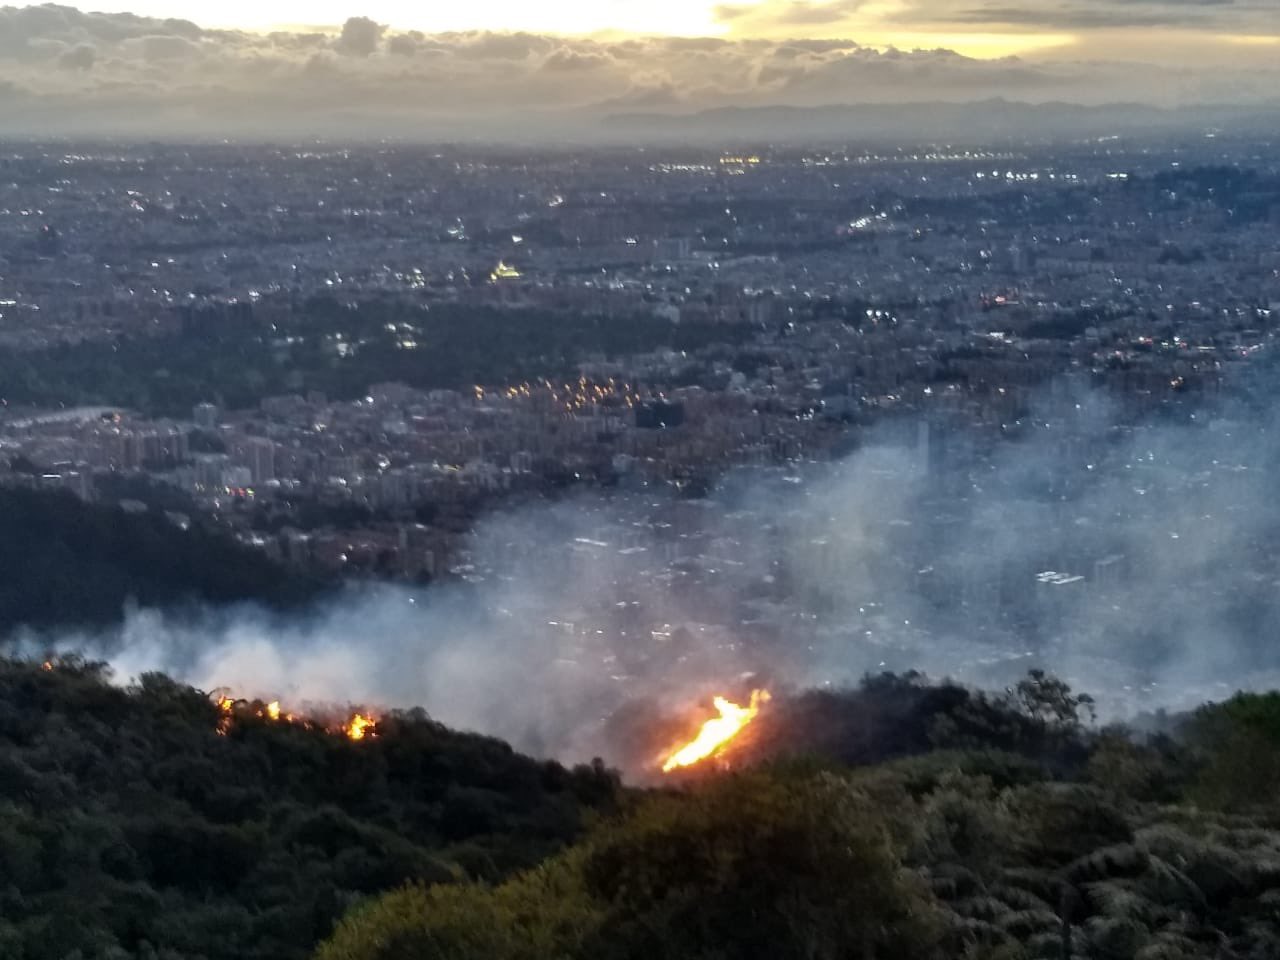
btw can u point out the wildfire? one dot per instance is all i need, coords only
(226, 711)
(718, 731)
(357, 727)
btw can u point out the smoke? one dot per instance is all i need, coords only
(1134, 557)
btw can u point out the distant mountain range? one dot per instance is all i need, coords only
(979, 121)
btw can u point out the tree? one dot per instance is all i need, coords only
(539, 915)
(805, 866)
(1238, 745)
(1049, 702)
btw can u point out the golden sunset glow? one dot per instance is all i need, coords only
(984, 46)
(507, 69)
(1037, 28)
(1260, 40)
(567, 17)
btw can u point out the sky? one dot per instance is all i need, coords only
(1162, 30)
(510, 68)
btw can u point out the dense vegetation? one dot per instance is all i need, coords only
(1065, 843)
(339, 349)
(67, 562)
(130, 828)
(972, 825)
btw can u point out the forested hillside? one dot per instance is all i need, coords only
(131, 827)
(1092, 845)
(67, 562)
(157, 822)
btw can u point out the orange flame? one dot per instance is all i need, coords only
(718, 731)
(226, 706)
(358, 726)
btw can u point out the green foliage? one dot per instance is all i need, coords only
(974, 854)
(540, 914)
(130, 829)
(1036, 726)
(1062, 822)
(1133, 771)
(965, 822)
(1238, 744)
(803, 866)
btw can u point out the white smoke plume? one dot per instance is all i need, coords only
(1136, 560)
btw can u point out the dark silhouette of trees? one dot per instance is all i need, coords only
(240, 363)
(64, 561)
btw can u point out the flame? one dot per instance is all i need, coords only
(226, 706)
(357, 726)
(718, 731)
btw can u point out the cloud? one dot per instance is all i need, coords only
(360, 37)
(786, 13)
(1083, 19)
(79, 57)
(405, 44)
(1223, 15)
(120, 74)
(568, 59)
(167, 47)
(642, 97)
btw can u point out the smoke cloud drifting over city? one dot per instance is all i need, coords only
(1130, 558)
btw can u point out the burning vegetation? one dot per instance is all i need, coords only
(718, 733)
(351, 724)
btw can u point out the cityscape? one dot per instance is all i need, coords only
(1016, 322)
(701, 481)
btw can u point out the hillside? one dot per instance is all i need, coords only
(130, 827)
(67, 562)
(903, 818)
(1080, 844)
